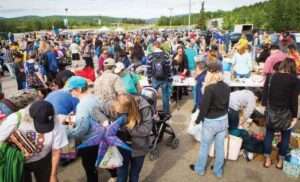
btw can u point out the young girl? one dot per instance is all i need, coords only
(135, 133)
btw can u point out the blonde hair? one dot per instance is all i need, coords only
(212, 78)
(127, 104)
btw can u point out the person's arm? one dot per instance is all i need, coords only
(206, 101)
(145, 127)
(81, 124)
(8, 126)
(265, 95)
(249, 62)
(294, 98)
(55, 162)
(251, 105)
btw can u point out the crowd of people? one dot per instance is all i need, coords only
(73, 98)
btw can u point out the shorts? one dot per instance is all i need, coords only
(75, 57)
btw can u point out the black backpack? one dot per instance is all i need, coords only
(159, 67)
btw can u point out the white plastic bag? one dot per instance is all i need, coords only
(193, 128)
(112, 159)
(234, 147)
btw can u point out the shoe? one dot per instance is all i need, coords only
(280, 167)
(265, 164)
(112, 180)
(192, 167)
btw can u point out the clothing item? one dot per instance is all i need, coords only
(62, 101)
(243, 100)
(242, 63)
(55, 139)
(130, 82)
(108, 86)
(166, 92)
(76, 82)
(84, 118)
(272, 60)
(88, 159)
(166, 66)
(283, 92)
(191, 53)
(199, 84)
(215, 101)
(233, 119)
(283, 145)
(214, 130)
(41, 169)
(75, 49)
(135, 163)
(42, 113)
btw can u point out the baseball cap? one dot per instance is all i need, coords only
(42, 113)
(76, 82)
(119, 67)
(109, 62)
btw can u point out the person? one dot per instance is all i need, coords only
(159, 74)
(20, 72)
(104, 55)
(49, 63)
(33, 74)
(88, 52)
(137, 52)
(82, 124)
(276, 56)
(242, 101)
(136, 133)
(38, 121)
(180, 67)
(108, 85)
(280, 93)
(201, 70)
(130, 80)
(75, 49)
(63, 102)
(8, 60)
(242, 63)
(214, 114)
(294, 54)
(191, 52)
(264, 54)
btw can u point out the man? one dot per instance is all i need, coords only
(242, 101)
(159, 73)
(276, 56)
(108, 85)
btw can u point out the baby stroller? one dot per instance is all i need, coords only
(160, 125)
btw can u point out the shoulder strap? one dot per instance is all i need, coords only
(269, 90)
(19, 116)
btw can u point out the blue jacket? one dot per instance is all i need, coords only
(199, 83)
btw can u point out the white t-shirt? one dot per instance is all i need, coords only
(74, 48)
(56, 139)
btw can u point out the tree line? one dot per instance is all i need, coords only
(35, 23)
(275, 15)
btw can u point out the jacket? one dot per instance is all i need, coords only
(167, 65)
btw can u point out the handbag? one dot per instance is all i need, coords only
(112, 159)
(193, 128)
(20, 141)
(278, 119)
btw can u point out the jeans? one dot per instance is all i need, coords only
(213, 130)
(88, 159)
(283, 145)
(21, 84)
(41, 170)
(233, 118)
(135, 163)
(166, 91)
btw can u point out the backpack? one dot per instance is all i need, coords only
(158, 67)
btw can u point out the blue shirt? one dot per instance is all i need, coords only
(62, 101)
(191, 54)
(199, 84)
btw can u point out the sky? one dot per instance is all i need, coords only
(116, 8)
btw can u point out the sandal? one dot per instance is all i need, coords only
(280, 167)
(265, 164)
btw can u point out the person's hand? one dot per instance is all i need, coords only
(53, 178)
(293, 124)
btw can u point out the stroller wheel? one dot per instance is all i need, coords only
(174, 143)
(154, 154)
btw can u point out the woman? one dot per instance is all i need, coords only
(294, 54)
(200, 78)
(39, 124)
(135, 133)
(180, 67)
(214, 114)
(130, 80)
(104, 55)
(33, 73)
(280, 93)
(82, 122)
(137, 52)
(242, 63)
(88, 52)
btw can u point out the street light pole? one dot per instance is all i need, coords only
(171, 10)
(190, 12)
(66, 18)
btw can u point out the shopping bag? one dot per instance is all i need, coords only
(112, 159)
(69, 152)
(193, 128)
(232, 147)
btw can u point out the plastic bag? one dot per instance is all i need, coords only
(112, 159)
(193, 128)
